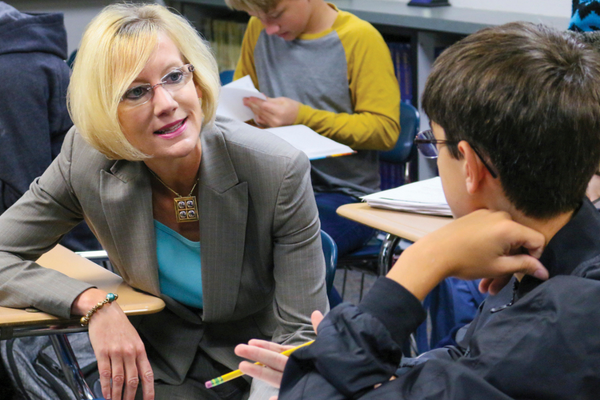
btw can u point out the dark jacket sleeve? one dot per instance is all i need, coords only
(357, 347)
(543, 346)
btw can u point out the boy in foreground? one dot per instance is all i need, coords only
(515, 114)
(331, 71)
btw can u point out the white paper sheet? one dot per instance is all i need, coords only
(424, 197)
(310, 142)
(231, 101)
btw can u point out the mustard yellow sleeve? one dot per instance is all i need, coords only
(245, 65)
(374, 90)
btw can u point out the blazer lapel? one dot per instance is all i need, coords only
(126, 198)
(223, 217)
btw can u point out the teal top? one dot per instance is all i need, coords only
(179, 266)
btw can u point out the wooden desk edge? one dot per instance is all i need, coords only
(27, 318)
(406, 225)
(23, 317)
(132, 302)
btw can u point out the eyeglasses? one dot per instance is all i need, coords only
(426, 143)
(171, 82)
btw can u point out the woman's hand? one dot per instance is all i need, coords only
(268, 354)
(119, 350)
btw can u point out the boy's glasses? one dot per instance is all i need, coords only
(171, 82)
(426, 143)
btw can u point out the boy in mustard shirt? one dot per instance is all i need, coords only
(331, 71)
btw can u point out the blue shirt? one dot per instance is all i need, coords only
(586, 16)
(179, 266)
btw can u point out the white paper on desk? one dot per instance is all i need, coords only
(231, 101)
(424, 197)
(310, 142)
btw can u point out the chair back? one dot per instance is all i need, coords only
(226, 76)
(331, 255)
(409, 127)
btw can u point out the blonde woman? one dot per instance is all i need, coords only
(213, 216)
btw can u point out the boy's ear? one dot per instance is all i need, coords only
(474, 170)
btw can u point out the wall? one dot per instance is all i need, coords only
(555, 8)
(78, 13)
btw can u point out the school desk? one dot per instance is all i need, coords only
(398, 225)
(29, 322)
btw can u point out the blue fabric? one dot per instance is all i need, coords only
(226, 76)
(585, 16)
(348, 235)
(179, 267)
(451, 305)
(33, 116)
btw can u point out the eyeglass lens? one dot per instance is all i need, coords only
(429, 149)
(172, 82)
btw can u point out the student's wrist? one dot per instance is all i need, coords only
(419, 269)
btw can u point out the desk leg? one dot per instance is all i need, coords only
(386, 254)
(70, 367)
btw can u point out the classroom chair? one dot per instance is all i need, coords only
(226, 76)
(395, 164)
(99, 257)
(330, 253)
(394, 171)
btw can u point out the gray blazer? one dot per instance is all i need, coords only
(262, 266)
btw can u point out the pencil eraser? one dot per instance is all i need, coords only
(208, 385)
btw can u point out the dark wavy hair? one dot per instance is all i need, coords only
(528, 98)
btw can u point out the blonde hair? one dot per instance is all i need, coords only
(115, 48)
(253, 5)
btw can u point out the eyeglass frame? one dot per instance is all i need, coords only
(150, 88)
(418, 141)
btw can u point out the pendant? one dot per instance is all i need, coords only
(186, 209)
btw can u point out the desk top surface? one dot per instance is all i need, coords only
(61, 259)
(402, 224)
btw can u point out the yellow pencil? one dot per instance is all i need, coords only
(237, 373)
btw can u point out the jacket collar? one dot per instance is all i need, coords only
(577, 242)
(223, 214)
(574, 250)
(216, 170)
(126, 196)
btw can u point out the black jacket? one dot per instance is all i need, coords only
(538, 340)
(33, 110)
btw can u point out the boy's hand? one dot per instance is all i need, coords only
(493, 285)
(273, 112)
(267, 353)
(483, 244)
